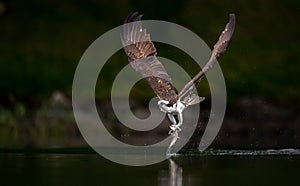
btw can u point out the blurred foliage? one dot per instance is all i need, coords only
(49, 126)
(41, 43)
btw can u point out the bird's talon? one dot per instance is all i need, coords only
(172, 127)
(175, 127)
(171, 132)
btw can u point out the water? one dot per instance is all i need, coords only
(214, 167)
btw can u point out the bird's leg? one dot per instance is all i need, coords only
(173, 111)
(179, 107)
(172, 118)
(176, 125)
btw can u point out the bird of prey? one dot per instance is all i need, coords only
(141, 54)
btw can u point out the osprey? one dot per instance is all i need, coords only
(141, 54)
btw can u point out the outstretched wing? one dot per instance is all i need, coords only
(224, 39)
(219, 48)
(141, 54)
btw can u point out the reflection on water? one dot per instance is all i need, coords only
(273, 167)
(174, 176)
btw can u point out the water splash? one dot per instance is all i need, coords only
(226, 152)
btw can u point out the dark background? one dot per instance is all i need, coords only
(41, 43)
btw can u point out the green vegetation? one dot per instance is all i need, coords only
(48, 126)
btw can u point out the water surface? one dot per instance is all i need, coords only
(214, 167)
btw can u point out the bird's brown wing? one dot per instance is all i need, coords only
(141, 54)
(224, 39)
(219, 48)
